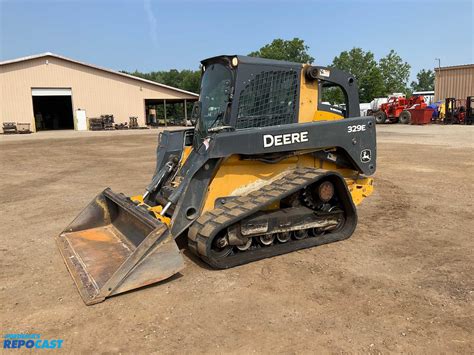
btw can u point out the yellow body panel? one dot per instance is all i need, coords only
(238, 177)
(156, 209)
(326, 116)
(360, 188)
(308, 99)
(186, 152)
(308, 110)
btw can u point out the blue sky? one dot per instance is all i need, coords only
(160, 35)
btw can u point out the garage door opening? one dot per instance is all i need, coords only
(52, 109)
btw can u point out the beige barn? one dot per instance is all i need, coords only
(51, 92)
(456, 81)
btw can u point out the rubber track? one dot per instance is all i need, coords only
(207, 226)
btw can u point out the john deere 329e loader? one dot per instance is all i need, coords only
(269, 168)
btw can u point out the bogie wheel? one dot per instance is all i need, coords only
(317, 232)
(380, 117)
(283, 237)
(246, 246)
(405, 117)
(266, 239)
(300, 234)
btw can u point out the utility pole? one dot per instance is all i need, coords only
(437, 76)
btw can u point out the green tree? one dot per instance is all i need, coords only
(424, 81)
(395, 72)
(294, 50)
(191, 80)
(185, 79)
(364, 67)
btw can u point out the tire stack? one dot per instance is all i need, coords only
(133, 123)
(96, 124)
(121, 125)
(9, 128)
(108, 122)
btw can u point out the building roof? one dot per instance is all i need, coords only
(464, 66)
(49, 54)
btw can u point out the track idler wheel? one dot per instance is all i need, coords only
(220, 246)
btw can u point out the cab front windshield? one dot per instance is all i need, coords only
(214, 96)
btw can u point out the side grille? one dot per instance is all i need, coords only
(269, 99)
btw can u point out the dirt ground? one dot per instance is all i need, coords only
(402, 283)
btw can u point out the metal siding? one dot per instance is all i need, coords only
(455, 82)
(93, 90)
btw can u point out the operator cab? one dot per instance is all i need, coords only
(239, 92)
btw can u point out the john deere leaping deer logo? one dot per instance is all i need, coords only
(365, 156)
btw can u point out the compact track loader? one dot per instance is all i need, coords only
(268, 169)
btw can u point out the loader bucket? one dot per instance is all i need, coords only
(114, 246)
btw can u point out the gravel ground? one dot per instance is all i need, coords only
(402, 283)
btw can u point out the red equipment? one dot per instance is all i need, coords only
(421, 116)
(455, 111)
(399, 109)
(469, 110)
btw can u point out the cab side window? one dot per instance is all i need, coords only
(332, 98)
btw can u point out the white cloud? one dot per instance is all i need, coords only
(152, 22)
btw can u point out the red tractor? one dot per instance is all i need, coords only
(397, 109)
